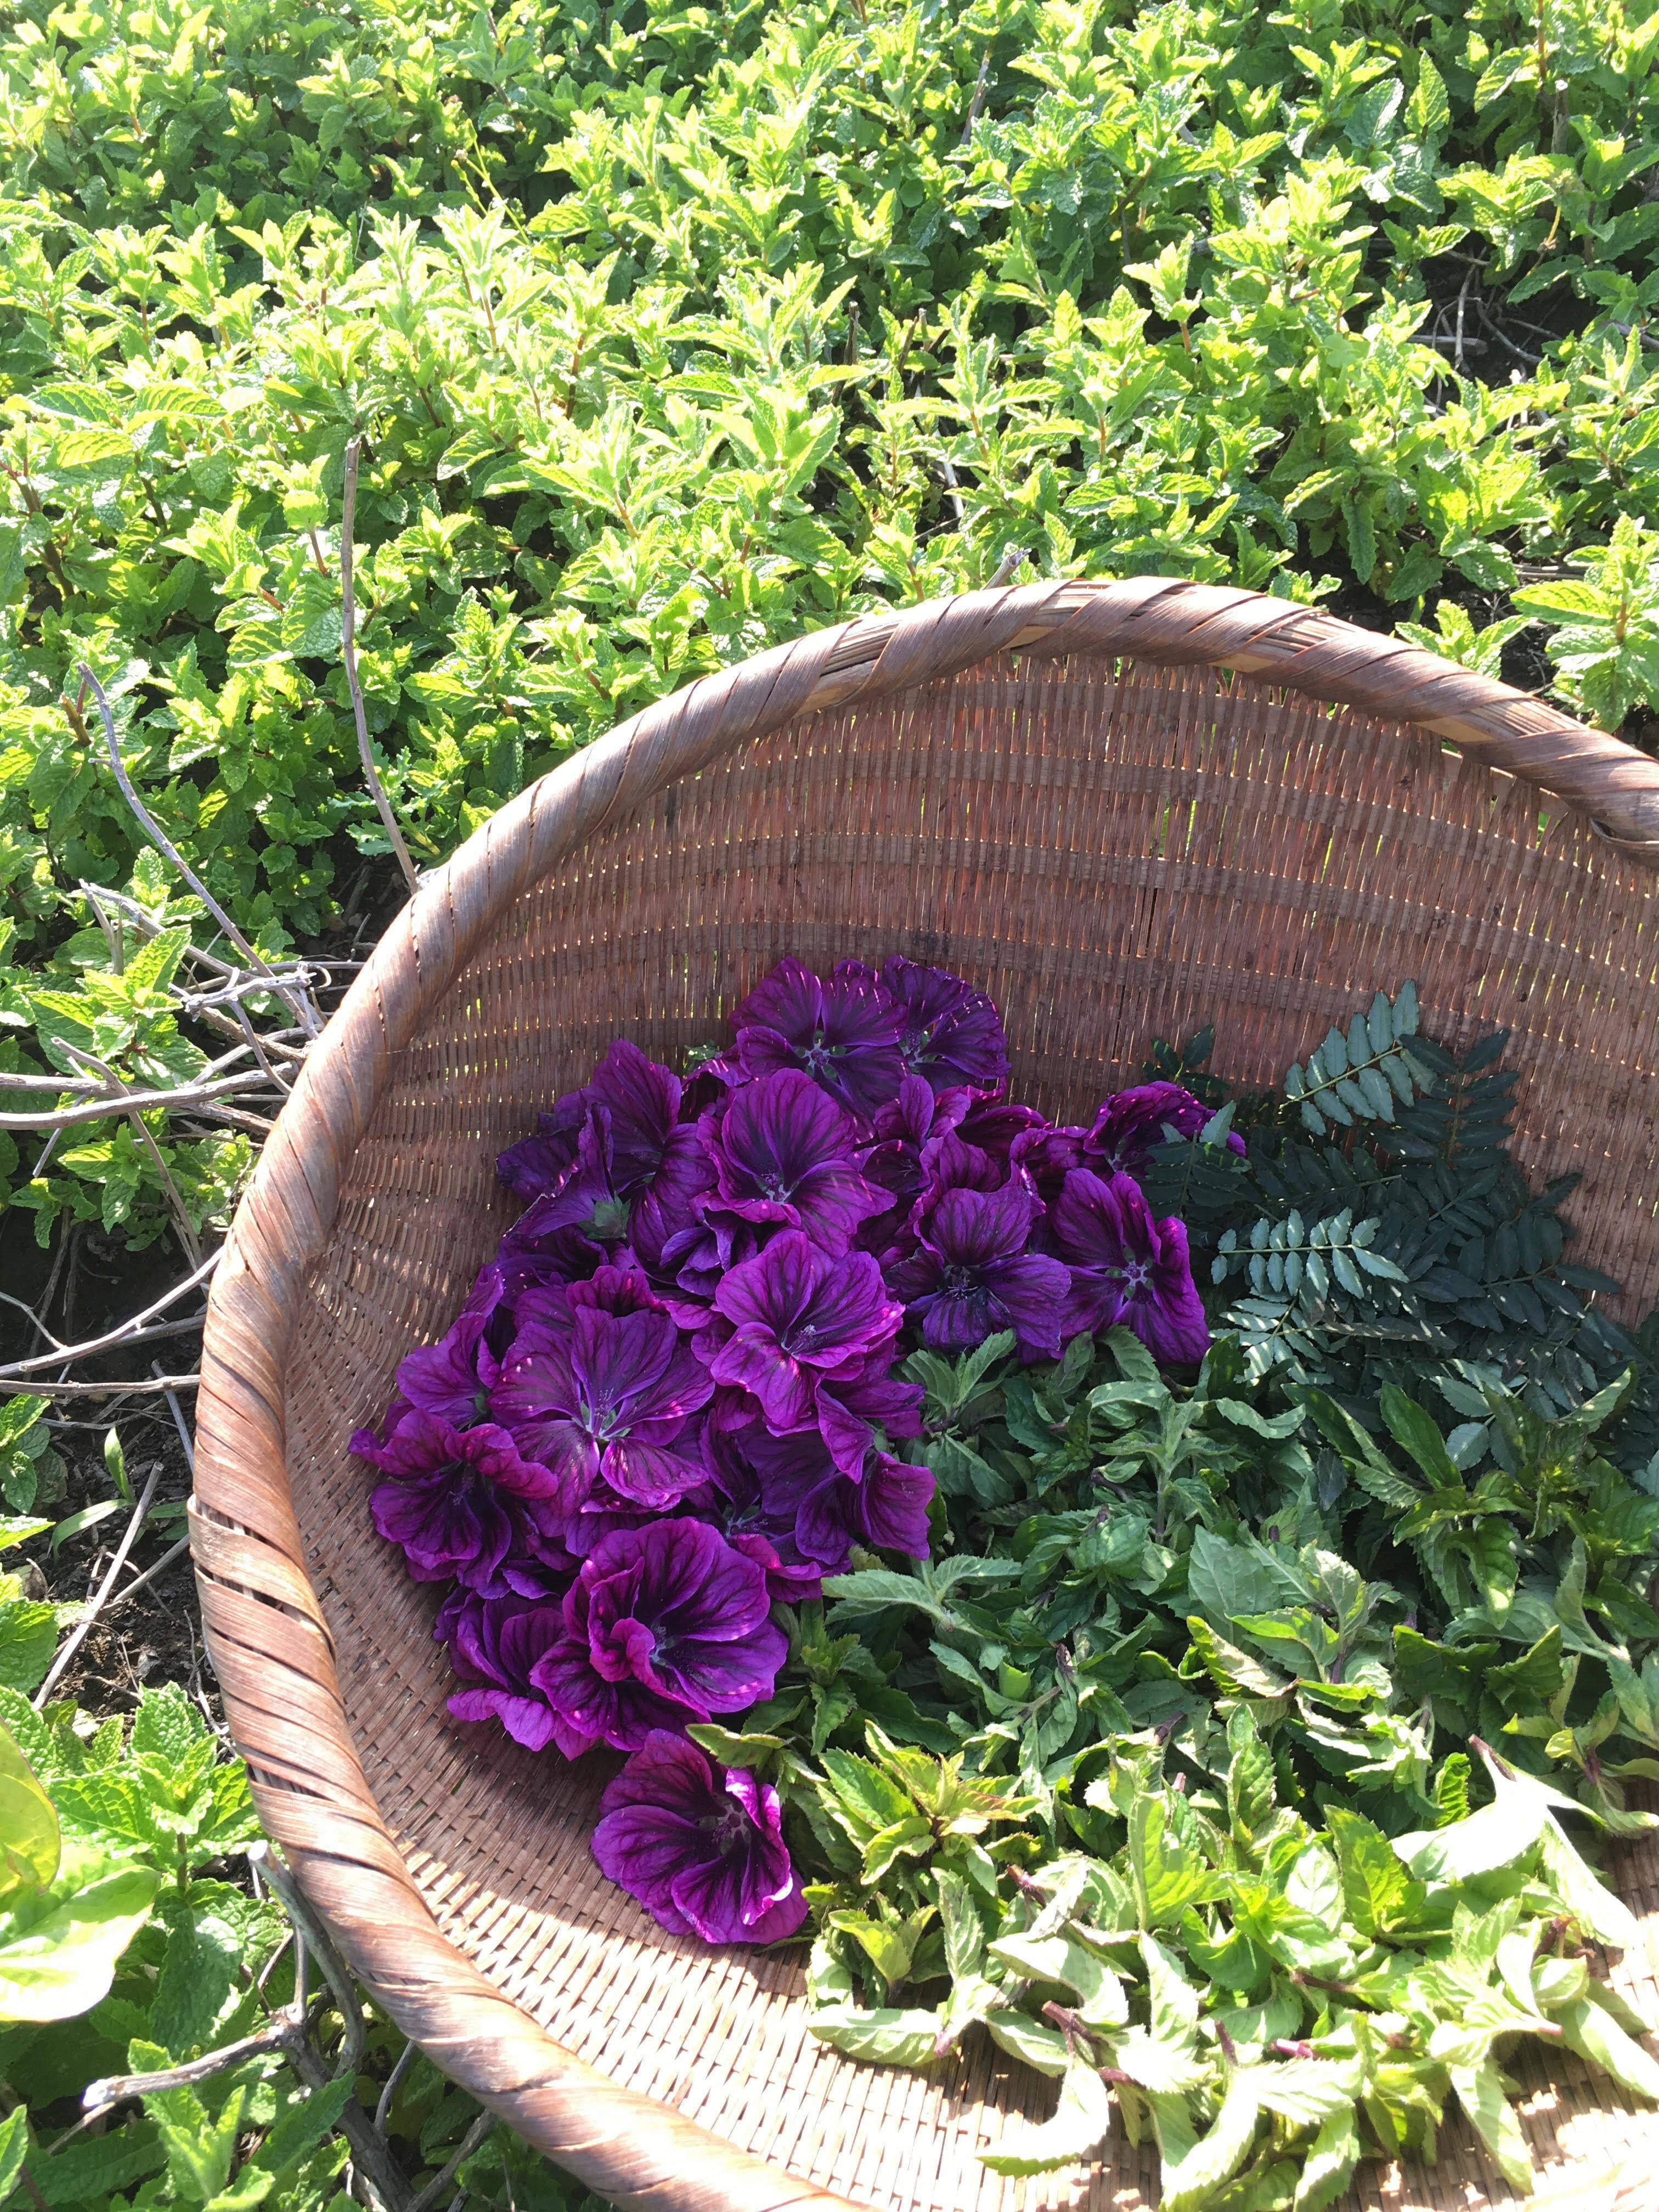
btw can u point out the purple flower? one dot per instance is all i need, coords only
(663, 1625)
(610, 1289)
(584, 1206)
(783, 1151)
(952, 1034)
(993, 1123)
(539, 1164)
(887, 1509)
(700, 1848)
(757, 1485)
(1127, 1267)
(1045, 1157)
(971, 1274)
(457, 1503)
(853, 1401)
(606, 1401)
(795, 1316)
(452, 1378)
(845, 1032)
(1130, 1122)
(493, 1641)
(948, 1163)
(685, 1269)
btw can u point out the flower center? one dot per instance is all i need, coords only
(726, 1829)
(772, 1185)
(1136, 1275)
(958, 1282)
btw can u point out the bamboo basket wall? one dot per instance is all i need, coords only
(1122, 809)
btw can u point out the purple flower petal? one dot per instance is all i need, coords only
(492, 1644)
(952, 1034)
(844, 1032)
(795, 1314)
(1127, 1267)
(454, 1506)
(610, 1398)
(1130, 1122)
(783, 1151)
(700, 1848)
(663, 1623)
(452, 1378)
(971, 1275)
(993, 1123)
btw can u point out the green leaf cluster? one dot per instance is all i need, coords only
(670, 336)
(128, 1946)
(1239, 1756)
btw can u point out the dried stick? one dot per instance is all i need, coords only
(140, 1102)
(978, 100)
(406, 2058)
(282, 2034)
(321, 1946)
(84, 1628)
(118, 1390)
(434, 2189)
(348, 648)
(174, 1551)
(170, 851)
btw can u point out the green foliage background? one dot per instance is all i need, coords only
(673, 331)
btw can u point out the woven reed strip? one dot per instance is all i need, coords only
(1104, 835)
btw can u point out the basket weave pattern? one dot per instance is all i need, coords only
(1113, 849)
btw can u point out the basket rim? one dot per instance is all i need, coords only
(264, 1624)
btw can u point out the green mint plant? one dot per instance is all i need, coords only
(145, 1986)
(665, 342)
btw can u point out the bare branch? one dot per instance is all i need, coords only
(126, 1102)
(180, 1424)
(109, 1389)
(299, 1910)
(125, 1332)
(84, 1627)
(164, 845)
(348, 648)
(978, 100)
(470, 2142)
(282, 2035)
(150, 1574)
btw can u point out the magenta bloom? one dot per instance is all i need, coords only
(887, 1508)
(607, 1400)
(700, 1848)
(845, 1032)
(952, 1035)
(796, 1315)
(1127, 1267)
(1045, 1157)
(539, 1164)
(456, 1503)
(950, 1163)
(972, 1275)
(662, 1626)
(1130, 1122)
(452, 1378)
(783, 1153)
(493, 1641)
(684, 1267)
(993, 1124)
(757, 1485)
(852, 1404)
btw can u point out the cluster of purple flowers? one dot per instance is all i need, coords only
(671, 1397)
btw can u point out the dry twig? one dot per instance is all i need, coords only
(348, 646)
(84, 1627)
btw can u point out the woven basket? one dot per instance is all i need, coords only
(1260, 817)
